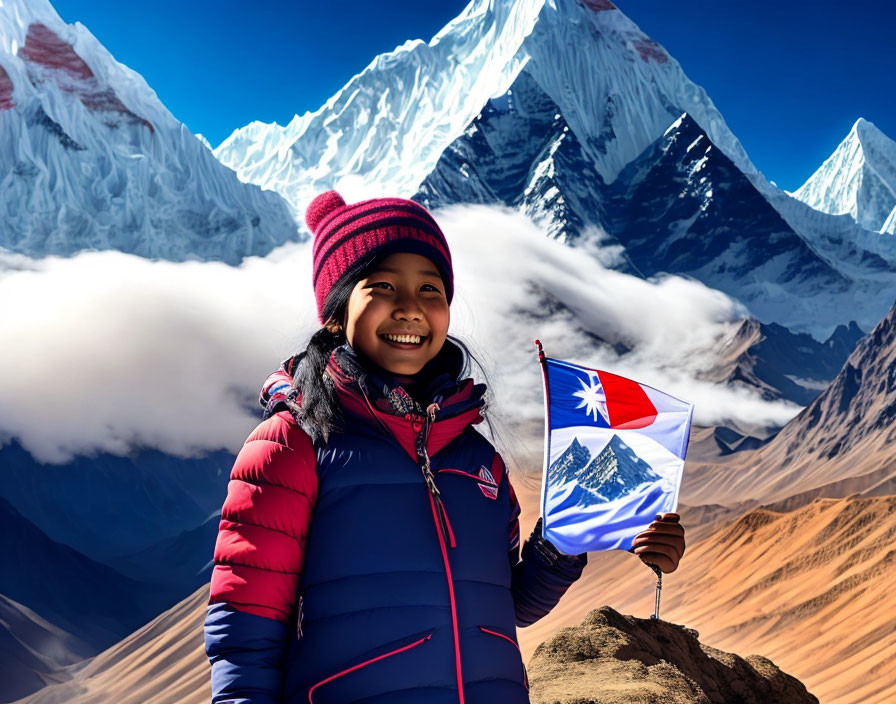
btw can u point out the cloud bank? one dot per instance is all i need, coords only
(107, 352)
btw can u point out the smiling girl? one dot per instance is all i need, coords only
(369, 545)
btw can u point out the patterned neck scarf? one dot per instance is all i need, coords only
(435, 382)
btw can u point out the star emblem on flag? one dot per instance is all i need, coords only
(594, 399)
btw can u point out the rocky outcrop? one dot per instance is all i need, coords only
(614, 659)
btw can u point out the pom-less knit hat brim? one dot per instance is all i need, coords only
(345, 233)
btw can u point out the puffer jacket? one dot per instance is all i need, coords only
(383, 566)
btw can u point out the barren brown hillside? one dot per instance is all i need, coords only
(843, 439)
(163, 662)
(810, 589)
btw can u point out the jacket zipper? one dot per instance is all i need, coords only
(443, 527)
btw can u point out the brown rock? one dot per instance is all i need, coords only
(614, 659)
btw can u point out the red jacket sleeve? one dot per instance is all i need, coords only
(260, 549)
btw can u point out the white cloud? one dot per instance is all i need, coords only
(671, 325)
(106, 351)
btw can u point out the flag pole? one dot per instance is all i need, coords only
(659, 588)
(547, 432)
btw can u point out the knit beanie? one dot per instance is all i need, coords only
(345, 233)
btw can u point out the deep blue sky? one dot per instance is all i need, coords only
(790, 78)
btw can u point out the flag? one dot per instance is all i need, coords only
(614, 453)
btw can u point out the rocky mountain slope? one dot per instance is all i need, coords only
(33, 652)
(163, 662)
(845, 434)
(83, 597)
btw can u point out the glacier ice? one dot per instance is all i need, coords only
(91, 159)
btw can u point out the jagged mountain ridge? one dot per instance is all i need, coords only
(779, 363)
(391, 122)
(432, 93)
(841, 440)
(684, 207)
(681, 207)
(519, 151)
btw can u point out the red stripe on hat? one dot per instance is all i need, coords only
(325, 244)
(359, 217)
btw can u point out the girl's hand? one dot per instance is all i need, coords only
(662, 544)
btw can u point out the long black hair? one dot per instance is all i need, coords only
(318, 410)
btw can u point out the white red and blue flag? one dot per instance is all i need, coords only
(614, 453)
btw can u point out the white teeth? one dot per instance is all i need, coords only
(412, 339)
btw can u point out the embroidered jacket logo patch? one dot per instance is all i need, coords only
(490, 490)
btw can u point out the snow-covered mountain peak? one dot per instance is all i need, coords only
(388, 126)
(91, 159)
(44, 56)
(859, 178)
(390, 122)
(866, 131)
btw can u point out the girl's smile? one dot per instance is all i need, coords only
(398, 316)
(405, 341)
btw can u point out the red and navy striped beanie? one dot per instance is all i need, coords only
(344, 233)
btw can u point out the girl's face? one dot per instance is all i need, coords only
(404, 296)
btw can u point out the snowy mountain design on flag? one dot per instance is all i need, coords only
(614, 452)
(615, 472)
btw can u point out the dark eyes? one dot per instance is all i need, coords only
(387, 284)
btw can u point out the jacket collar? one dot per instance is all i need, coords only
(374, 395)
